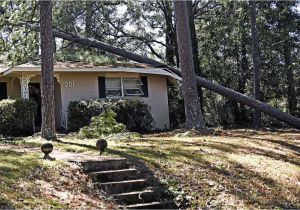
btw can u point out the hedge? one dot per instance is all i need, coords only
(17, 117)
(133, 113)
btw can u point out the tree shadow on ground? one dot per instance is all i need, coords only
(240, 181)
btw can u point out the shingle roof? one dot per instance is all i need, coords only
(79, 67)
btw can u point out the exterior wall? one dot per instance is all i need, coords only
(84, 86)
(13, 87)
(158, 101)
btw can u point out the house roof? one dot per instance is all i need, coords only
(80, 67)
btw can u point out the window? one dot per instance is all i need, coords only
(132, 87)
(119, 87)
(113, 88)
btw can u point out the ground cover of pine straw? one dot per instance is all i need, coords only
(27, 182)
(238, 168)
(224, 169)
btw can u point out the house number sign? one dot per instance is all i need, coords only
(69, 84)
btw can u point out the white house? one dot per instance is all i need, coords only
(76, 81)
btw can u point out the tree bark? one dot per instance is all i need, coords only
(193, 115)
(291, 90)
(170, 35)
(195, 51)
(229, 93)
(88, 17)
(256, 62)
(47, 87)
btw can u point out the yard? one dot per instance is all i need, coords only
(234, 168)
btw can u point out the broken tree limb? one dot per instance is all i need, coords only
(229, 93)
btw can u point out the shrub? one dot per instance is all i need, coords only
(133, 113)
(104, 124)
(17, 117)
(81, 112)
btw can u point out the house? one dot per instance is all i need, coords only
(76, 81)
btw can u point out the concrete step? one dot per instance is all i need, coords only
(105, 165)
(153, 205)
(114, 175)
(134, 197)
(122, 186)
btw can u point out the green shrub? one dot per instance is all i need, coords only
(81, 112)
(104, 124)
(17, 117)
(133, 113)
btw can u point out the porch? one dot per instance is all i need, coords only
(28, 86)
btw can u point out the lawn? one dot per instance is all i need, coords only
(235, 168)
(28, 181)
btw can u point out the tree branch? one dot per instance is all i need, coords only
(241, 98)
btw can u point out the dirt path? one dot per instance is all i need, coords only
(57, 154)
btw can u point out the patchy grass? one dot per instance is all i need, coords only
(244, 169)
(238, 168)
(31, 182)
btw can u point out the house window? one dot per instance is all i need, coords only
(120, 87)
(113, 88)
(132, 87)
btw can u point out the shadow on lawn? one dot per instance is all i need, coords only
(13, 166)
(248, 185)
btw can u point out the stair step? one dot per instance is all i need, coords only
(105, 165)
(154, 205)
(114, 175)
(122, 186)
(128, 198)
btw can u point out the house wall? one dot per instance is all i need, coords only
(84, 86)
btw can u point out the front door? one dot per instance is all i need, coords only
(35, 94)
(3, 90)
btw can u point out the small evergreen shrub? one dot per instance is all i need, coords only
(17, 117)
(133, 113)
(102, 125)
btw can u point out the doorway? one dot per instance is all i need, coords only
(3, 90)
(35, 94)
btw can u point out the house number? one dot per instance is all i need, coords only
(69, 84)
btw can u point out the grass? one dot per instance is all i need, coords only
(28, 181)
(238, 168)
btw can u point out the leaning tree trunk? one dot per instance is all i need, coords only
(47, 90)
(256, 62)
(193, 115)
(241, 98)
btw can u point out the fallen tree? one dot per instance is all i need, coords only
(229, 93)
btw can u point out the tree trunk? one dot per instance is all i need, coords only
(229, 93)
(170, 35)
(256, 62)
(88, 17)
(195, 51)
(193, 115)
(291, 91)
(47, 87)
(244, 70)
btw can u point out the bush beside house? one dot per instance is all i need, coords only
(133, 113)
(17, 117)
(103, 124)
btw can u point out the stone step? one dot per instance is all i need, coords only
(122, 186)
(153, 205)
(105, 165)
(114, 175)
(134, 197)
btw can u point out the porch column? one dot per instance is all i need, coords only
(24, 81)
